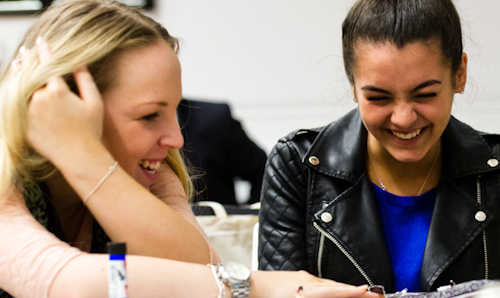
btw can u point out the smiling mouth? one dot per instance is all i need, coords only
(150, 166)
(407, 136)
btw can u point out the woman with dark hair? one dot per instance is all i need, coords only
(397, 192)
(89, 153)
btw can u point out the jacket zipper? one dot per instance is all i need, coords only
(479, 200)
(320, 254)
(342, 249)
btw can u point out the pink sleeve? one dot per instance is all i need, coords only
(30, 256)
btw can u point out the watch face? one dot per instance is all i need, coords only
(237, 270)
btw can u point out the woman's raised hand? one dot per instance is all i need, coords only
(60, 121)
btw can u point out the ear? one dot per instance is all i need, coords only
(461, 75)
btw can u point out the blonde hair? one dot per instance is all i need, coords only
(81, 32)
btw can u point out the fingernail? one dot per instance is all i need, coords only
(39, 41)
(22, 50)
(16, 63)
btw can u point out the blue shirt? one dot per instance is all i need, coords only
(406, 222)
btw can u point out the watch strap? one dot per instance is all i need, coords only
(239, 288)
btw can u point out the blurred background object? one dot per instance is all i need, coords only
(221, 154)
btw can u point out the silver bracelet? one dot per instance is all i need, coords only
(110, 171)
(220, 284)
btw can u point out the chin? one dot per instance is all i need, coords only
(408, 158)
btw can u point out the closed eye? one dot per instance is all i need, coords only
(426, 95)
(150, 117)
(375, 98)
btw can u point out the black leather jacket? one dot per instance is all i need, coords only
(319, 211)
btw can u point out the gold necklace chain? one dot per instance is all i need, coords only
(376, 170)
(372, 160)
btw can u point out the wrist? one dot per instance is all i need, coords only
(80, 155)
(86, 169)
(233, 279)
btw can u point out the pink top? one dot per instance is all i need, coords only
(31, 257)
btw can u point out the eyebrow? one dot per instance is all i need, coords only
(159, 103)
(420, 86)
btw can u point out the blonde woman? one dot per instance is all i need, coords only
(88, 117)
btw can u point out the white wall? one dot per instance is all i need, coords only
(279, 62)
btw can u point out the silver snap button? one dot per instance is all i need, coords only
(480, 216)
(326, 217)
(314, 160)
(492, 162)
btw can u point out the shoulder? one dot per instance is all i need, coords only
(325, 136)
(292, 148)
(464, 133)
(300, 139)
(493, 140)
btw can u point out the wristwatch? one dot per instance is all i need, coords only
(237, 277)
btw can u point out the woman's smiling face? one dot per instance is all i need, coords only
(405, 96)
(140, 120)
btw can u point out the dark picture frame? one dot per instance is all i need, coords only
(36, 6)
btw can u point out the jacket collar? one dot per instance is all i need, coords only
(340, 148)
(459, 140)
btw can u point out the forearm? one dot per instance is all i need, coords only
(130, 213)
(86, 276)
(169, 190)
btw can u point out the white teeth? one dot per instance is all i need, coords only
(407, 136)
(150, 166)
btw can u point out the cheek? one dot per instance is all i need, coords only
(109, 128)
(438, 111)
(371, 114)
(122, 144)
(108, 139)
(113, 140)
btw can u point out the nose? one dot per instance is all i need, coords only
(172, 138)
(403, 114)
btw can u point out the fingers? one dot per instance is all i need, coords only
(44, 53)
(22, 53)
(334, 290)
(86, 85)
(43, 50)
(84, 81)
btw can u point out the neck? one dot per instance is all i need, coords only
(404, 179)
